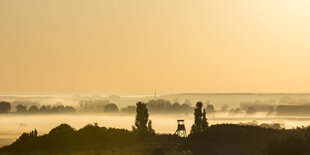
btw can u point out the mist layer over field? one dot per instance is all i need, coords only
(13, 126)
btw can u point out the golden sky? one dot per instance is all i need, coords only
(138, 46)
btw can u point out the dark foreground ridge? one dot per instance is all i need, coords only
(203, 139)
(218, 139)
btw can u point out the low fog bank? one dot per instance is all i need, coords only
(246, 105)
(15, 125)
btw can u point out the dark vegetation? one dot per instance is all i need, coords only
(158, 106)
(162, 106)
(165, 106)
(285, 107)
(5, 107)
(154, 106)
(111, 108)
(236, 139)
(203, 139)
(64, 137)
(143, 125)
(200, 125)
(55, 109)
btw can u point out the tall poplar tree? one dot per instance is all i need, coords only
(200, 124)
(142, 123)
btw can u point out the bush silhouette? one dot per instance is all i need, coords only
(21, 109)
(111, 108)
(33, 109)
(295, 142)
(5, 107)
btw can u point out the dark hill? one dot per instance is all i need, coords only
(218, 139)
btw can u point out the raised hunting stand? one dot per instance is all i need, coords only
(181, 131)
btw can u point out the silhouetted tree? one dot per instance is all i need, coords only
(204, 123)
(5, 107)
(45, 109)
(142, 119)
(200, 124)
(33, 109)
(69, 109)
(150, 128)
(196, 128)
(111, 108)
(26, 138)
(62, 129)
(58, 109)
(21, 108)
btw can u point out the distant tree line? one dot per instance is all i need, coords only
(162, 106)
(50, 109)
(93, 105)
(5, 107)
(98, 106)
(165, 106)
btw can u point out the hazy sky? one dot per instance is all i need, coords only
(138, 46)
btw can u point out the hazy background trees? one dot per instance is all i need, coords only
(5, 107)
(165, 106)
(285, 106)
(111, 108)
(21, 108)
(93, 105)
(33, 109)
(162, 106)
